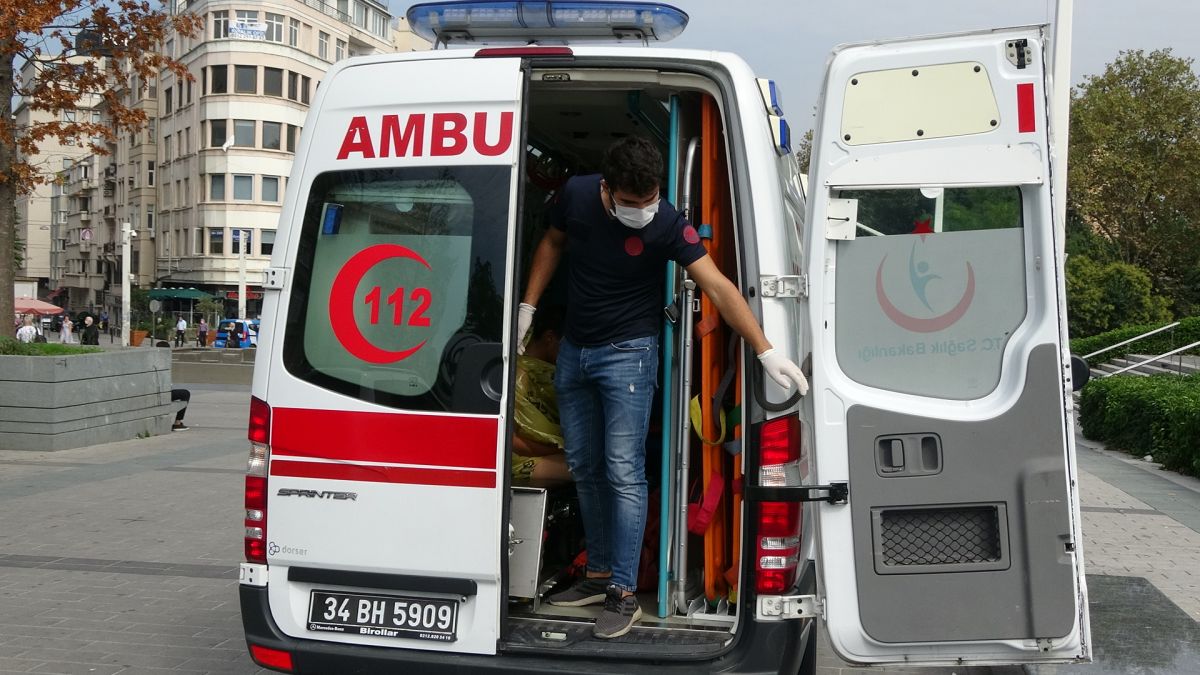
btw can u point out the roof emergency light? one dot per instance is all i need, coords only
(548, 21)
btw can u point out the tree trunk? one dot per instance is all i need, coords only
(8, 194)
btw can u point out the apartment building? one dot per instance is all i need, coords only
(225, 140)
(46, 222)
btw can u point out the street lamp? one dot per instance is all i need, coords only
(242, 234)
(127, 234)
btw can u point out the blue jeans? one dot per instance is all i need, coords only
(605, 395)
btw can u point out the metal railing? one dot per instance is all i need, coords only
(1132, 339)
(1152, 359)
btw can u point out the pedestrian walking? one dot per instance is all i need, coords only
(180, 330)
(90, 334)
(27, 332)
(185, 396)
(67, 335)
(202, 332)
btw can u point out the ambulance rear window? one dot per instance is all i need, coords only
(397, 294)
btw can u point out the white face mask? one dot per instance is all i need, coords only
(634, 217)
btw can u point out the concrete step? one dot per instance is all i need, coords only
(1180, 363)
(1156, 368)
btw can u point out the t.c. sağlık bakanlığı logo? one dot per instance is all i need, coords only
(920, 275)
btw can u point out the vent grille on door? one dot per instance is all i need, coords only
(940, 536)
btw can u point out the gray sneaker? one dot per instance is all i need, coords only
(619, 615)
(583, 592)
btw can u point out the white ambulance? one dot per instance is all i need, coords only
(920, 503)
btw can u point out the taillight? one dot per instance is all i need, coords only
(256, 483)
(271, 658)
(777, 542)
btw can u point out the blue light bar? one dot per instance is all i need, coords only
(772, 98)
(547, 21)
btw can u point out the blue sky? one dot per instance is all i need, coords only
(789, 40)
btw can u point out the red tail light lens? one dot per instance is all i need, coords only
(256, 519)
(777, 544)
(276, 659)
(256, 482)
(260, 421)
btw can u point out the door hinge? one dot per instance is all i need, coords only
(783, 286)
(834, 493)
(274, 278)
(1020, 54)
(789, 607)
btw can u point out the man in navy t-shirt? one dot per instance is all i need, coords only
(619, 233)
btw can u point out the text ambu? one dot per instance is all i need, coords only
(442, 134)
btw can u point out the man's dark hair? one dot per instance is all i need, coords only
(548, 318)
(632, 164)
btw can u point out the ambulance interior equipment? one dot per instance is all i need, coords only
(574, 114)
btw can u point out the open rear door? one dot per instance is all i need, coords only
(386, 490)
(940, 391)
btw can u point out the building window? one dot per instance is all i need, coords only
(198, 242)
(220, 24)
(187, 192)
(323, 45)
(203, 81)
(360, 15)
(266, 240)
(293, 32)
(294, 86)
(271, 132)
(274, 27)
(217, 133)
(216, 187)
(216, 241)
(167, 148)
(270, 189)
(243, 133)
(245, 79)
(220, 79)
(273, 81)
(243, 187)
(292, 132)
(379, 24)
(187, 140)
(170, 48)
(247, 17)
(339, 52)
(189, 91)
(305, 85)
(150, 174)
(167, 111)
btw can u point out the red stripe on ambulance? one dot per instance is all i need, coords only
(398, 438)
(443, 134)
(384, 474)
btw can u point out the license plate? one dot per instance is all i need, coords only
(391, 616)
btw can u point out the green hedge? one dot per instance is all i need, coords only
(1158, 415)
(1187, 332)
(13, 347)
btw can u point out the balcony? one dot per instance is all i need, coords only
(85, 216)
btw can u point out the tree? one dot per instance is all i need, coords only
(1104, 296)
(804, 152)
(1135, 163)
(79, 50)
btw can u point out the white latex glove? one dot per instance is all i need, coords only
(524, 321)
(783, 371)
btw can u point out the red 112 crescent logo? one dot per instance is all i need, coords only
(343, 299)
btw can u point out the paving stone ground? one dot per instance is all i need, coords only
(122, 558)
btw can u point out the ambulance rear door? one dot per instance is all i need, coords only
(389, 392)
(941, 390)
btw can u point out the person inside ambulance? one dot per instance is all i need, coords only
(538, 457)
(618, 233)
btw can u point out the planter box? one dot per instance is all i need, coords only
(61, 402)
